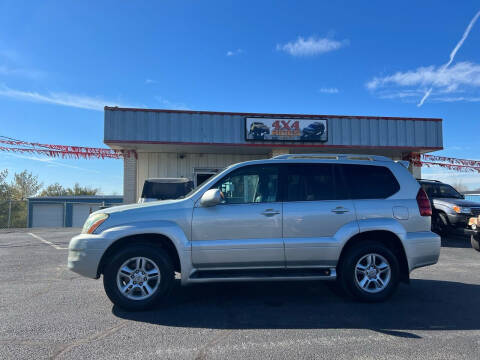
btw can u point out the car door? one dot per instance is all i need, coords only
(314, 210)
(245, 230)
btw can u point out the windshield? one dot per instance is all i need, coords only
(441, 191)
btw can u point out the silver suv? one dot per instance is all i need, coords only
(361, 220)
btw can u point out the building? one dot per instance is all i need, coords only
(197, 144)
(472, 195)
(66, 211)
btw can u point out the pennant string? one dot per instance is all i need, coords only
(83, 152)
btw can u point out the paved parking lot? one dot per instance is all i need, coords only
(46, 311)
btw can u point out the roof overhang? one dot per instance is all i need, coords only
(227, 148)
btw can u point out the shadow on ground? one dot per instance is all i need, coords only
(422, 305)
(457, 240)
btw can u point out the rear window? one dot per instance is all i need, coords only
(369, 181)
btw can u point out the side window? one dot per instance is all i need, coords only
(250, 184)
(369, 181)
(310, 182)
(429, 189)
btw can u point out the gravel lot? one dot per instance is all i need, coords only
(46, 311)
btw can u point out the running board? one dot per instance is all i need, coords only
(263, 275)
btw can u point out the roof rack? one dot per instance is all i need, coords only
(333, 157)
(437, 181)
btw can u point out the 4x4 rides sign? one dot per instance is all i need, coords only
(308, 130)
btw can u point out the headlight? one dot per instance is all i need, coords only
(93, 222)
(462, 210)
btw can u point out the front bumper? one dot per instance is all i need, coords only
(84, 254)
(422, 249)
(458, 220)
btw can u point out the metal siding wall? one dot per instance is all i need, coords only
(159, 165)
(410, 133)
(218, 128)
(129, 179)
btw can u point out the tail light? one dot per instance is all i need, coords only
(423, 203)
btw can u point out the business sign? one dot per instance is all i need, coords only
(307, 130)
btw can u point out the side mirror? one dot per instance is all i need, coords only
(211, 197)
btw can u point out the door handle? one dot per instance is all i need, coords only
(340, 210)
(270, 212)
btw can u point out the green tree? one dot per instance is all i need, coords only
(54, 190)
(24, 185)
(81, 190)
(4, 195)
(4, 188)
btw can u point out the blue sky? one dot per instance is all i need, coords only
(62, 61)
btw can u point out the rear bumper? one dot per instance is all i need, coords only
(422, 249)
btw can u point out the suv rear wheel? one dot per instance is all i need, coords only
(138, 277)
(369, 272)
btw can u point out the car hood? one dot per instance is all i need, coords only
(453, 201)
(178, 211)
(147, 207)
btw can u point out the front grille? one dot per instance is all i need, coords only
(476, 211)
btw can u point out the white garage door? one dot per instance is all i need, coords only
(47, 215)
(80, 213)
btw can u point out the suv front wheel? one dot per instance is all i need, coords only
(138, 277)
(440, 224)
(475, 241)
(369, 272)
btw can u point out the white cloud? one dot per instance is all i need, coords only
(150, 81)
(27, 73)
(456, 99)
(329, 90)
(311, 46)
(234, 52)
(171, 105)
(437, 80)
(64, 99)
(463, 77)
(50, 162)
(452, 54)
(449, 80)
(10, 65)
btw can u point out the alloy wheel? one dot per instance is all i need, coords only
(372, 273)
(138, 278)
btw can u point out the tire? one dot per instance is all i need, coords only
(350, 279)
(142, 295)
(475, 241)
(441, 225)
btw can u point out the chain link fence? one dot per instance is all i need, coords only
(13, 214)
